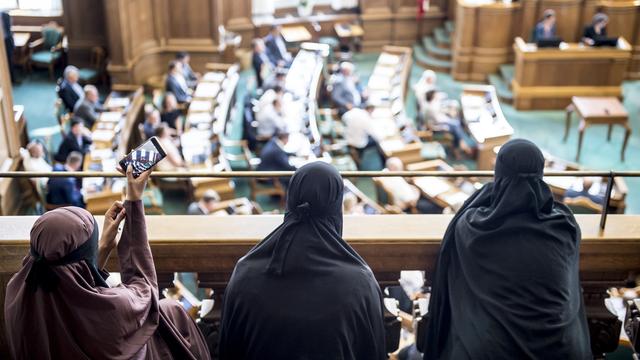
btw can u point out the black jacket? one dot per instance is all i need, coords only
(69, 144)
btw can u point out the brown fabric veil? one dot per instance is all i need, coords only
(78, 319)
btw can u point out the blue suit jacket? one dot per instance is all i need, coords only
(174, 87)
(273, 158)
(273, 52)
(64, 191)
(341, 94)
(257, 61)
(538, 33)
(68, 95)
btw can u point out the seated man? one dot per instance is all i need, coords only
(346, 93)
(597, 30)
(151, 123)
(273, 157)
(176, 83)
(69, 90)
(190, 76)
(33, 159)
(171, 114)
(174, 160)
(276, 47)
(270, 118)
(62, 287)
(90, 108)
(260, 61)
(546, 28)
(406, 196)
(359, 132)
(206, 205)
(78, 139)
(436, 119)
(66, 190)
(427, 82)
(277, 78)
(587, 183)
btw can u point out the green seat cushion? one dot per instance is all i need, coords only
(45, 57)
(331, 41)
(87, 74)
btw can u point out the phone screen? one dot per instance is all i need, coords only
(144, 157)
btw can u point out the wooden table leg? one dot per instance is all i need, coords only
(627, 134)
(609, 132)
(581, 129)
(567, 124)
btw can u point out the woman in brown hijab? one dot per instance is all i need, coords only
(58, 306)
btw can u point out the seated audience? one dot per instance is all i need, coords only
(171, 114)
(587, 183)
(270, 118)
(260, 61)
(597, 30)
(273, 157)
(90, 108)
(347, 93)
(34, 159)
(508, 269)
(426, 83)
(277, 48)
(546, 28)
(438, 119)
(174, 160)
(78, 139)
(351, 205)
(151, 123)
(406, 196)
(359, 132)
(189, 75)
(206, 205)
(303, 292)
(176, 83)
(70, 90)
(59, 305)
(66, 190)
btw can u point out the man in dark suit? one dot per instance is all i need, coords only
(90, 107)
(8, 41)
(190, 76)
(260, 61)
(546, 29)
(78, 139)
(346, 92)
(176, 83)
(277, 48)
(66, 191)
(69, 90)
(206, 205)
(273, 157)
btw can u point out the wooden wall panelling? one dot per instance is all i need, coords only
(85, 27)
(377, 22)
(569, 14)
(238, 18)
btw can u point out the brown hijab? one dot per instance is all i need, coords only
(78, 317)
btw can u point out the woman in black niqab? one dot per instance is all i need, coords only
(303, 292)
(506, 283)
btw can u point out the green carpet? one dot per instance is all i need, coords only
(545, 128)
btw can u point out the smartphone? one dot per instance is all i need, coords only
(144, 157)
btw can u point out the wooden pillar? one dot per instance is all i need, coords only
(84, 25)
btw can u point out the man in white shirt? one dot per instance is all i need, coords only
(359, 132)
(406, 196)
(33, 160)
(270, 118)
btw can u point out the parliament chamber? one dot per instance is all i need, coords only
(441, 120)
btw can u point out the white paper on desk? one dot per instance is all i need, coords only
(103, 135)
(207, 90)
(384, 71)
(388, 59)
(198, 118)
(379, 83)
(562, 182)
(119, 102)
(432, 186)
(456, 199)
(111, 116)
(213, 76)
(101, 154)
(109, 164)
(392, 145)
(200, 106)
(382, 113)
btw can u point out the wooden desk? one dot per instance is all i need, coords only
(487, 125)
(295, 34)
(548, 78)
(597, 111)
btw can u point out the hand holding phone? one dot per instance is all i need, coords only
(144, 157)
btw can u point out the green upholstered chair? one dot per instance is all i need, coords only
(47, 51)
(96, 71)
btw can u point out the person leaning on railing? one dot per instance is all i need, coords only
(59, 304)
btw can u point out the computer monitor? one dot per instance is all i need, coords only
(549, 42)
(606, 41)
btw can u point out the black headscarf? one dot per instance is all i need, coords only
(506, 285)
(303, 292)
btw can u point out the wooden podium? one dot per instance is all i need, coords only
(548, 78)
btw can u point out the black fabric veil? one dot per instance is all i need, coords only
(303, 292)
(506, 284)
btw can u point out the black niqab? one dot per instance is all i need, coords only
(506, 285)
(303, 292)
